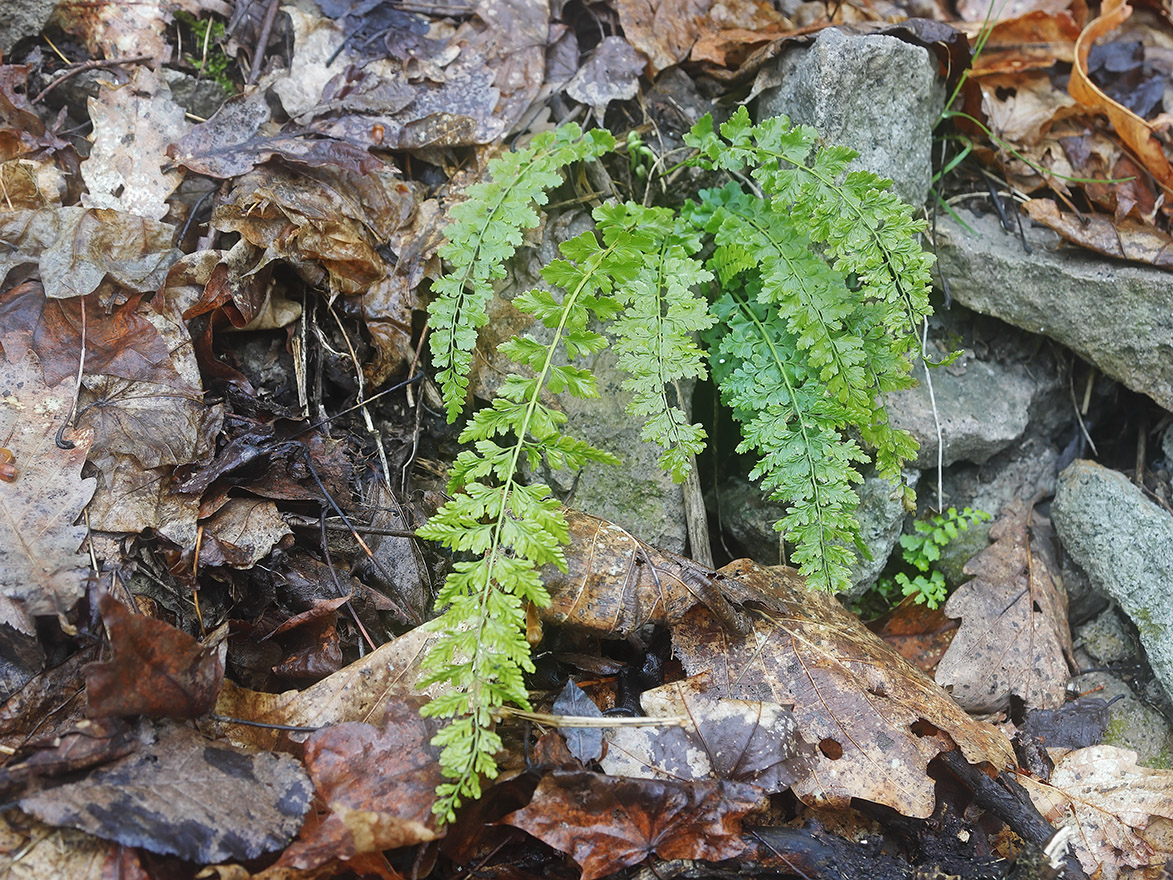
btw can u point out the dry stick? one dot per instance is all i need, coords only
(81, 66)
(338, 585)
(366, 413)
(262, 42)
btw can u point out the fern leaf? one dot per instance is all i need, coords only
(481, 650)
(483, 233)
(654, 335)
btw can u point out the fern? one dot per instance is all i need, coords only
(483, 233)
(819, 287)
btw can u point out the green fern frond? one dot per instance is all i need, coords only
(484, 231)
(516, 528)
(654, 335)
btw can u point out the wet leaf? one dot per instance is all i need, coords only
(113, 29)
(860, 702)
(133, 124)
(241, 533)
(378, 782)
(1014, 637)
(606, 824)
(735, 740)
(615, 583)
(1119, 812)
(75, 248)
(22, 133)
(1139, 135)
(584, 743)
(1125, 240)
(156, 669)
(40, 567)
(184, 795)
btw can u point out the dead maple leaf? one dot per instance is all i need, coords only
(40, 568)
(156, 669)
(184, 795)
(1120, 813)
(1123, 239)
(737, 740)
(1139, 135)
(1014, 637)
(133, 124)
(379, 784)
(861, 703)
(615, 583)
(606, 823)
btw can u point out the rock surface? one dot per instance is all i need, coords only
(1122, 541)
(23, 18)
(876, 94)
(1116, 315)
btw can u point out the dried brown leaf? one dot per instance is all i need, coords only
(1125, 240)
(1120, 813)
(40, 567)
(114, 29)
(133, 124)
(241, 533)
(860, 702)
(184, 795)
(614, 583)
(605, 823)
(664, 30)
(611, 73)
(1014, 637)
(156, 669)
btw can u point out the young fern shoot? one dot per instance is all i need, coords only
(820, 286)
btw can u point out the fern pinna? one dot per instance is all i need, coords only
(820, 285)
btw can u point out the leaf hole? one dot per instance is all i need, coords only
(831, 748)
(924, 728)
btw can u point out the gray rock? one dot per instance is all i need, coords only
(637, 495)
(1131, 724)
(1108, 640)
(200, 97)
(1025, 470)
(876, 94)
(749, 517)
(1116, 315)
(23, 18)
(1122, 540)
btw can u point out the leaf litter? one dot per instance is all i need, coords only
(211, 483)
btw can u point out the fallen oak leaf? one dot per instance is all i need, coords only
(1125, 239)
(156, 669)
(607, 823)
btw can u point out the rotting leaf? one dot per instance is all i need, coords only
(1124, 239)
(379, 784)
(75, 248)
(664, 30)
(133, 124)
(861, 703)
(584, 743)
(241, 533)
(40, 567)
(614, 583)
(113, 29)
(606, 823)
(1120, 813)
(610, 74)
(184, 795)
(1014, 637)
(737, 740)
(156, 669)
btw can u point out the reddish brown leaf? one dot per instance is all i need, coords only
(156, 669)
(615, 583)
(853, 696)
(1125, 240)
(1033, 41)
(1014, 637)
(379, 785)
(22, 132)
(664, 30)
(606, 823)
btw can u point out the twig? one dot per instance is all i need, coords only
(262, 42)
(81, 66)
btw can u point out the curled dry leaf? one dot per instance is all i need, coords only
(1138, 134)
(156, 669)
(40, 567)
(379, 784)
(876, 719)
(1120, 813)
(1124, 239)
(181, 794)
(737, 740)
(615, 583)
(606, 823)
(1014, 637)
(133, 124)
